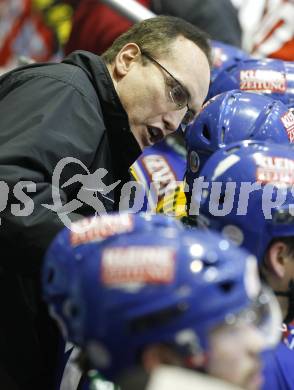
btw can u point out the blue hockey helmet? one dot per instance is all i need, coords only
(147, 287)
(63, 256)
(235, 116)
(224, 55)
(249, 196)
(267, 76)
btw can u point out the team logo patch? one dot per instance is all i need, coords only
(138, 264)
(288, 122)
(159, 171)
(275, 170)
(263, 81)
(99, 228)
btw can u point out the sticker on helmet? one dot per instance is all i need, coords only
(159, 171)
(263, 81)
(100, 228)
(288, 122)
(138, 264)
(275, 170)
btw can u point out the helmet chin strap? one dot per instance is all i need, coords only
(290, 294)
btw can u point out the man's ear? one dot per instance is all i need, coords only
(125, 59)
(276, 259)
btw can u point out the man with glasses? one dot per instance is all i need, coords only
(100, 111)
(161, 86)
(179, 95)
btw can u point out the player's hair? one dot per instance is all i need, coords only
(288, 241)
(155, 35)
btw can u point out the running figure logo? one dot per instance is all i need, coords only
(91, 190)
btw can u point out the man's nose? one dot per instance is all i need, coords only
(173, 119)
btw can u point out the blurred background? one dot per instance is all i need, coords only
(47, 30)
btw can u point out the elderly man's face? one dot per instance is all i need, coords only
(145, 90)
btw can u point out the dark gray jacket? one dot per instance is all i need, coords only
(218, 18)
(48, 112)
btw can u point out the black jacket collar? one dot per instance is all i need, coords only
(124, 147)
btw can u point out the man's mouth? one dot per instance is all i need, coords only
(155, 134)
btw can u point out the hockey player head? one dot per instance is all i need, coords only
(230, 117)
(223, 56)
(141, 299)
(63, 256)
(266, 76)
(249, 198)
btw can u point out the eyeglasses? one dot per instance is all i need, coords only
(178, 94)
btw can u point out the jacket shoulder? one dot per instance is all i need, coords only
(71, 75)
